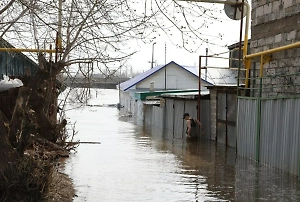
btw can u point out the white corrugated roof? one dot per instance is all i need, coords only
(135, 80)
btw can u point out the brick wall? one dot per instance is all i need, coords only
(213, 110)
(276, 23)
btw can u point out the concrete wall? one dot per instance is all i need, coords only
(276, 23)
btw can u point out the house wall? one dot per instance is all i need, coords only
(177, 78)
(276, 23)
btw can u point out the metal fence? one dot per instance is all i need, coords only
(168, 119)
(268, 131)
(179, 131)
(268, 115)
(148, 112)
(279, 136)
(170, 114)
(246, 128)
(226, 117)
(15, 64)
(158, 117)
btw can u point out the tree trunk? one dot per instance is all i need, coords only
(34, 115)
(18, 115)
(39, 95)
(8, 156)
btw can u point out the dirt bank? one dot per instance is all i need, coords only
(61, 188)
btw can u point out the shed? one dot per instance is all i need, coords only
(15, 63)
(12, 64)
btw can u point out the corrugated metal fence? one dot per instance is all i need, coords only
(246, 127)
(169, 118)
(270, 135)
(179, 131)
(14, 64)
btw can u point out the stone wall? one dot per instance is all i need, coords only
(276, 23)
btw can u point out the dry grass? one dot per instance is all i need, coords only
(35, 177)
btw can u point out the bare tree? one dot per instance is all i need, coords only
(98, 36)
(87, 36)
(102, 32)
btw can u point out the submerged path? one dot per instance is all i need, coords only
(132, 164)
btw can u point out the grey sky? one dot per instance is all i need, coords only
(230, 30)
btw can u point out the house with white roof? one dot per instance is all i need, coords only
(171, 76)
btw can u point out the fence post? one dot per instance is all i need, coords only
(258, 120)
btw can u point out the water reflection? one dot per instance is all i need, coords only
(137, 164)
(205, 170)
(184, 182)
(228, 176)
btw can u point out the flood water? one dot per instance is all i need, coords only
(132, 164)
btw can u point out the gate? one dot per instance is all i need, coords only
(226, 116)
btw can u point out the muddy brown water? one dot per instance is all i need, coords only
(135, 164)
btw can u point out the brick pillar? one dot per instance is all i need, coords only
(213, 106)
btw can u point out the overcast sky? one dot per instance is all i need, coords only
(230, 29)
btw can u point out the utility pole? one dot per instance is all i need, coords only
(165, 66)
(206, 64)
(152, 55)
